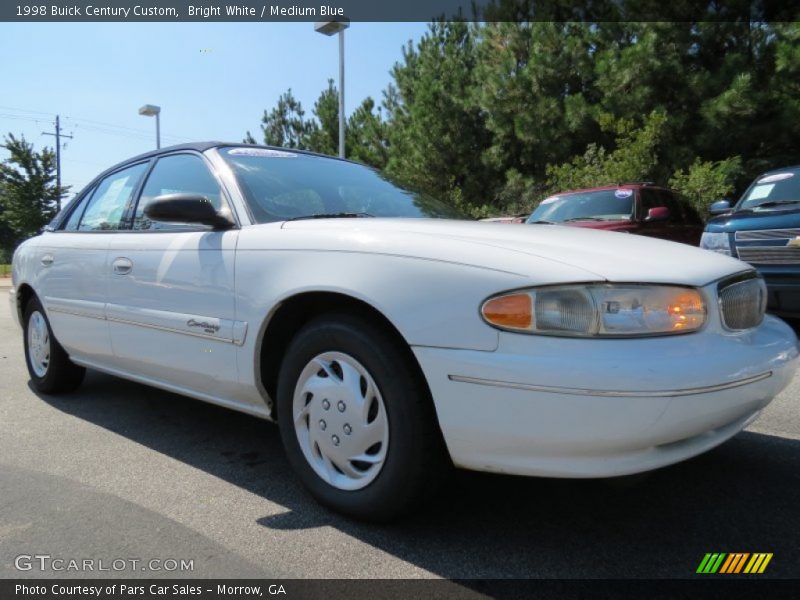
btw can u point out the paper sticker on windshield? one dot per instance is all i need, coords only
(623, 193)
(261, 152)
(775, 177)
(760, 191)
(549, 200)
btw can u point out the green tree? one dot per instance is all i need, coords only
(536, 92)
(496, 113)
(635, 157)
(704, 182)
(437, 136)
(28, 192)
(285, 125)
(323, 136)
(366, 135)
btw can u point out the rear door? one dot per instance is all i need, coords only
(75, 266)
(171, 306)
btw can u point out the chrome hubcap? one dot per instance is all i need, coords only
(340, 421)
(38, 344)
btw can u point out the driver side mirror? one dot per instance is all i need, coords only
(186, 209)
(657, 213)
(720, 207)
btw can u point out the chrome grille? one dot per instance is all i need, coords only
(742, 303)
(767, 234)
(769, 255)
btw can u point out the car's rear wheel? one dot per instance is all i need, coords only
(49, 366)
(356, 419)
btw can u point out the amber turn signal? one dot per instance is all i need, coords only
(512, 311)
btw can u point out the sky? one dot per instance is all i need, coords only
(211, 80)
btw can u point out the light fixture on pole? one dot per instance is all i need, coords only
(329, 28)
(150, 110)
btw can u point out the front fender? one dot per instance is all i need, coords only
(431, 303)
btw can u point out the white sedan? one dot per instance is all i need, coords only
(388, 340)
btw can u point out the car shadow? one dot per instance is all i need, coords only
(741, 497)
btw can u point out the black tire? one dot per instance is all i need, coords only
(61, 375)
(416, 460)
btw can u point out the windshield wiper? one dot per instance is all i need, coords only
(584, 219)
(340, 215)
(542, 222)
(776, 203)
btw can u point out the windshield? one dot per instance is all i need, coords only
(281, 185)
(605, 205)
(773, 189)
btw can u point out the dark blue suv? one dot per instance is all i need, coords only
(763, 229)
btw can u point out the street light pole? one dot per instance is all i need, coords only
(158, 130)
(329, 28)
(150, 110)
(341, 93)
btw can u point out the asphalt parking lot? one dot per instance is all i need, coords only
(120, 470)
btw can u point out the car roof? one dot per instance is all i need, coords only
(778, 170)
(192, 146)
(197, 147)
(636, 185)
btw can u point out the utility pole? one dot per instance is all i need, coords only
(58, 135)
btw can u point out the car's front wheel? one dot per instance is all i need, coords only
(49, 366)
(356, 419)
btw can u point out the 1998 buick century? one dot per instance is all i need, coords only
(387, 339)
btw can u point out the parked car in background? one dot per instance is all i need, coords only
(638, 208)
(389, 344)
(763, 229)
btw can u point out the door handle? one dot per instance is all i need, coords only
(122, 266)
(47, 260)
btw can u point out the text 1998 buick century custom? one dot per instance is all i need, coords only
(275, 283)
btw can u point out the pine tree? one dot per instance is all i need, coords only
(28, 191)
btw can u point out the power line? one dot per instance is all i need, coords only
(25, 110)
(21, 118)
(90, 122)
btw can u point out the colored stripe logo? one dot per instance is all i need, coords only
(734, 562)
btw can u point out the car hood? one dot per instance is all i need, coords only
(538, 252)
(751, 220)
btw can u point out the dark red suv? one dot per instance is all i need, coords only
(638, 208)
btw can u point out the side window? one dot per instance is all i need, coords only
(675, 211)
(649, 200)
(106, 208)
(178, 173)
(652, 198)
(77, 212)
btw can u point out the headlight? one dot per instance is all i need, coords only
(716, 242)
(598, 310)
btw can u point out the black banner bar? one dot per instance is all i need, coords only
(376, 589)
(405, 10)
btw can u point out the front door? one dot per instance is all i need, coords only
(171, 309)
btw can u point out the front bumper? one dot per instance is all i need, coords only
(566, 407)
